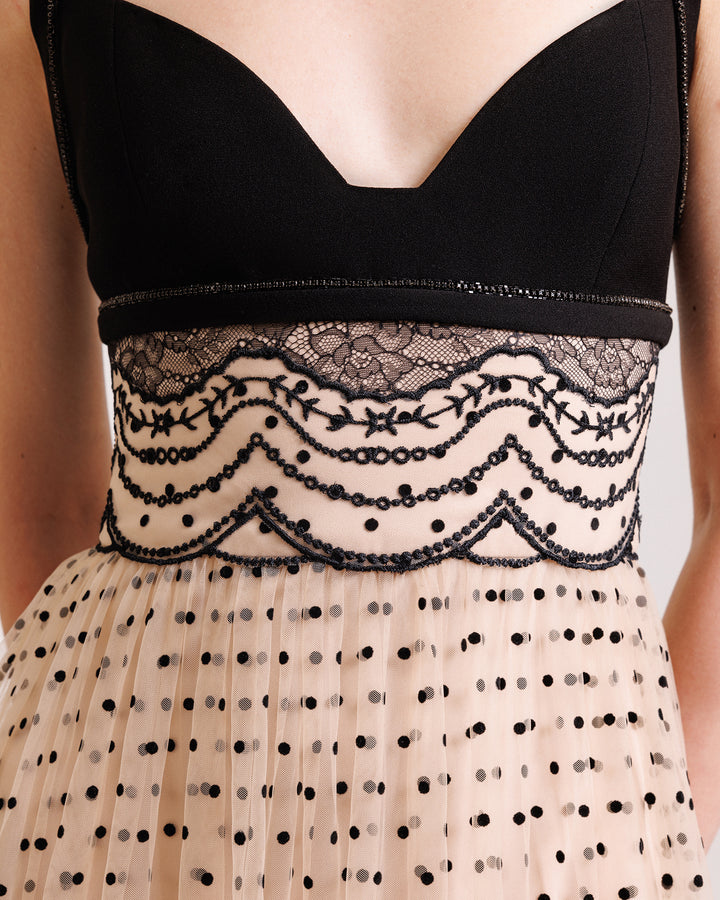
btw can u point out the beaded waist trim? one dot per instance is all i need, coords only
(451, 301)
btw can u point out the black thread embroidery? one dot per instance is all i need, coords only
(252, 458)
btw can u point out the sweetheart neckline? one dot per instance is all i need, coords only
(474, 122)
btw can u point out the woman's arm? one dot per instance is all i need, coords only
(692, 618)
(55, 443)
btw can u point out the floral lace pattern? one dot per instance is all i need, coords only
(373, 359)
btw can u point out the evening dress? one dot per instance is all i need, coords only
(365, 616)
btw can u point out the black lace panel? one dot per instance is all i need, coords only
(373, 359)
(377, 445)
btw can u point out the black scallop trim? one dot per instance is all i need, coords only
(272, 351)
(341, 559)
(62, 133)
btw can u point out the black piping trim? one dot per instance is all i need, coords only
(683, 90)
(541, 310)
(473, 363)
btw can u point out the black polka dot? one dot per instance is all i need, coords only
(343, 682)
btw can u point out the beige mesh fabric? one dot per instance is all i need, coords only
(328, 645)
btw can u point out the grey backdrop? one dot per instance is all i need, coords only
(665, 499)
(664, 485)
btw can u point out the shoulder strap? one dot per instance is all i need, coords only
(45, 20)
(687, 13)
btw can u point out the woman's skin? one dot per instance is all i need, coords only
(55, 445)
(383, 89)
(692, 616)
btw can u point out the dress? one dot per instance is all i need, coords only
(365, 616)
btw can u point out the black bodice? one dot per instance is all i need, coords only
(205, 202)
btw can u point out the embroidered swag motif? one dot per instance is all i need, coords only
(373, 445)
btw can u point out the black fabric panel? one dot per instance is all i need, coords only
(540, 315)
(192, 171)
(119, 247)
(692, 12)
(235, 191)
(644, 231)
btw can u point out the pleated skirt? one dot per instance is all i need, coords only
(200, 730)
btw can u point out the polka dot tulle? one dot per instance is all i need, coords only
(203, 730)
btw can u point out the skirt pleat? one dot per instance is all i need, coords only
(199, 729)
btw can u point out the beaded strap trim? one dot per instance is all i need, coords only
(470, 287)
(684, 80)
(59, 120)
